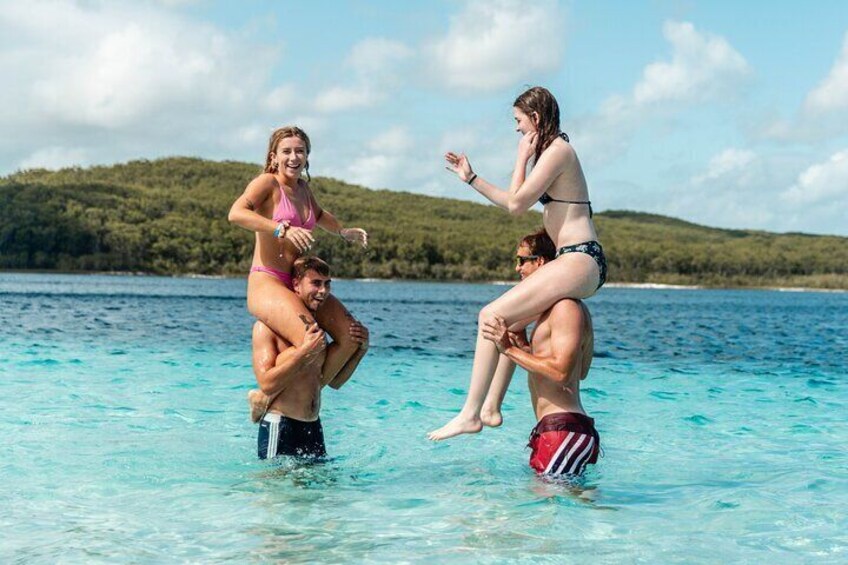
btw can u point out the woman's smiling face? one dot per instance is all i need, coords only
(290, 156)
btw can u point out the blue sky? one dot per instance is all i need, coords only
(722, 113)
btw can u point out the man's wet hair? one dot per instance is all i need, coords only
(541, 244)
(309, 263)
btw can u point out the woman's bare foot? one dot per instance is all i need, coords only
(258, 403)
(459, 425)
(491, 417)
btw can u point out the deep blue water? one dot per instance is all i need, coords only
(125, 435)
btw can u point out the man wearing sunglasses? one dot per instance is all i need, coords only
(557, 358)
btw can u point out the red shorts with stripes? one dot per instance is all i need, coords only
(563, 444)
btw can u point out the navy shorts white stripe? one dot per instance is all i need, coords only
(280, 435)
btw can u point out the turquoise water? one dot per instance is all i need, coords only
(125, 438)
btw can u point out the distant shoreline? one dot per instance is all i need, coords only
(139, 217)
(656, 286)
(662, 286)
(628, 285)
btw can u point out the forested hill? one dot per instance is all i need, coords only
(169, 216)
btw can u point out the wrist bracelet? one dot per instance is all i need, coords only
(472, 179)
(280, 230)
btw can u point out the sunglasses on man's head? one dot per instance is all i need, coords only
(521, 259)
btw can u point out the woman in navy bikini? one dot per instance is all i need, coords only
(279, 206)
(556, 180)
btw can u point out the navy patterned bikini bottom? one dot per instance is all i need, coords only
(594, 250)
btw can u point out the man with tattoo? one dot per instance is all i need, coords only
(290, 378)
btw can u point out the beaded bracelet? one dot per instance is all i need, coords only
(282, 227)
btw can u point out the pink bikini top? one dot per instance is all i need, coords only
(285, 211)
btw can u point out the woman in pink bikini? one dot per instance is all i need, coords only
(281, 209)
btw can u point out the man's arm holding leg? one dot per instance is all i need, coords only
(566, 321)
(275, 369)
(275, 372)
(360, 335)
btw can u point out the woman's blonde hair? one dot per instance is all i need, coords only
(279, 135)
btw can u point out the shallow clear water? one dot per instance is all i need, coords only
(125, 438)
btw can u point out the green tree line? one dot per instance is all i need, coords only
(168, 216)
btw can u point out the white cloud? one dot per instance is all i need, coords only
(399, 159)
(312, 124)
(253, 134)
(737, 190)
(822, 183)
(729, 162)
(375, 55)
(177, 3)
(386, 160)
(702, 68)
(831, 95)
(744, 189)
(817, 201)
(375, 171)
(374, 62)
(129, 65)
(125, 80)
(281, 98)
(129, 73)
(824, 112)
(394, 141)
(55, 158)
(494, 44)
(340, 98)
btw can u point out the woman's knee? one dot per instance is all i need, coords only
(488, 315)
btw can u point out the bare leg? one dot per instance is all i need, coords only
(573, 275)
(335, 319)
(468, 420)
(277, 307)
(490, 414)
(281, 310)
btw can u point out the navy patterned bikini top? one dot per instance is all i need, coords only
(547, 198)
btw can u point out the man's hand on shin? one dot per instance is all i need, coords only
(496, 331)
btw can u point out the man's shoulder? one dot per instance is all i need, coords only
(566, 313)
(567, 307)
(263, 335)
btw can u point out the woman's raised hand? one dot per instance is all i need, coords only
(300, 238)
(527, 145)
(355, 235)
(459, 165)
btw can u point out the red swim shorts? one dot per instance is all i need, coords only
(563, 444)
